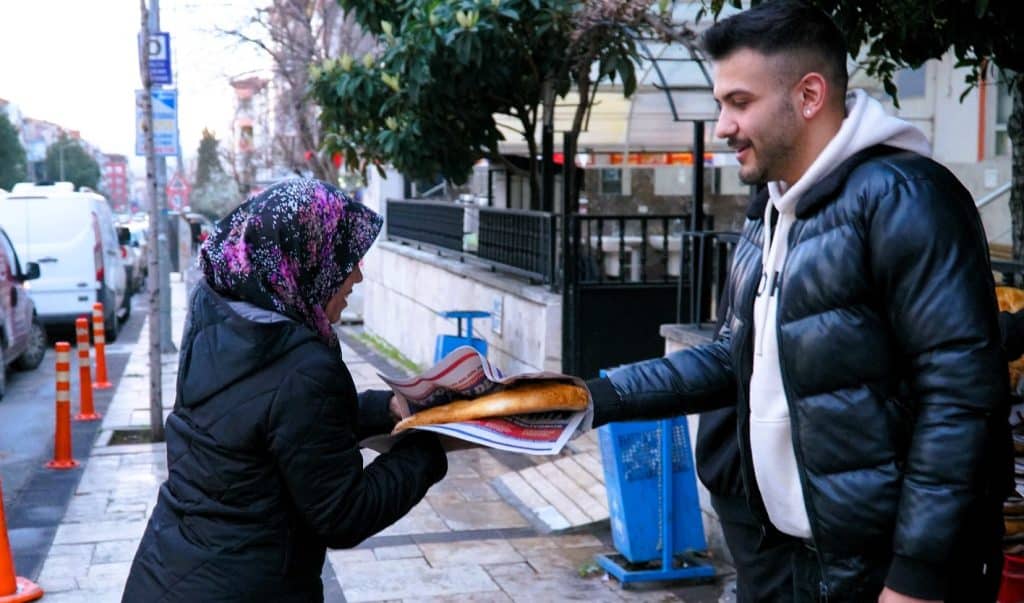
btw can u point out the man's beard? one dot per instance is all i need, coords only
(776, 150)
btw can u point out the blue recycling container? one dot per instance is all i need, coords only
(447, 343)
(642, 518)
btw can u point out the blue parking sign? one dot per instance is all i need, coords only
(159, 49)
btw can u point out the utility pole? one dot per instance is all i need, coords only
(156, 407)
(163, 238)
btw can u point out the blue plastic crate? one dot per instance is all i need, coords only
(446, 343)
(631, 455)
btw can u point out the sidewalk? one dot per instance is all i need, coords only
(461, 543)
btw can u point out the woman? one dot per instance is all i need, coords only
(262, 445)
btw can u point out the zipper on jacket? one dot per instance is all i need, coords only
(794, 428)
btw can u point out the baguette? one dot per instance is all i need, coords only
(529, 397)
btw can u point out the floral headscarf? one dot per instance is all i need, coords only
(289, 249)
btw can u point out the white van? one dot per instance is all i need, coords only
(71, 235)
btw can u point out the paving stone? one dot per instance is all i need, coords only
(115, 551)
(57, 568)
(85, 596)
(479, 516)
(422, 519)
(480, 552)
(509, 569)
(104, 576)
(566, 507)
(408, 578)
(405, 551)
(488, 597)
(71, 550)
(343, 558)
(55, 584)
(558, 559)
(564, 587)
(442, 498)
(99, 531)
(565, 484)
(591, 461)
(475, 490)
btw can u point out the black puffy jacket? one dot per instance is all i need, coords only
(264, 465)
(893, 370)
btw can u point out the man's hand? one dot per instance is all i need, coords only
(891, 596)
(398, 407)
(451, 444)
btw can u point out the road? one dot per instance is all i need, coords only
(27, 410)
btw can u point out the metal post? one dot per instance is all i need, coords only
(166, 343)
(156, 410)
(570, 252)
(697, 215)
(547, 168)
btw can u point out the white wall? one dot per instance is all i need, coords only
(405, 288)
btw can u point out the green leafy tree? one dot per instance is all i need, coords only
(208, 159)
(12, 154)
(984, 35)
(214, 192)
(67, 160)
(430, 101)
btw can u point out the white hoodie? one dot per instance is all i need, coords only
(771, 442)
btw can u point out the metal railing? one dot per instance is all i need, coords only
(630, 248)
(435, 223)
(505, 240)
(520, 241)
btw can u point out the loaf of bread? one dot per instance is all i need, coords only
(519, 399)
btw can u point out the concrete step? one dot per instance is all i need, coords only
(562, 495)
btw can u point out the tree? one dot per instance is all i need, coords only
(295, 34)
(429, 101)
(208, 161)
(67, 160)
(214, 192)
(12, 154)
(905, 33)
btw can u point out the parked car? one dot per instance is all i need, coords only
(136, 261)
(70, 235)
(22, 336)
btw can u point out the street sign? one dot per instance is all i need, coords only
(165, 123)
(177, 192)
(159, 49)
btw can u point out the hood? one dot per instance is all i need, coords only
(866, 125)
(226, 341)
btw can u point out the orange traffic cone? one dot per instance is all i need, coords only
(13, 588)
(86, 410)
(62, 436)
(99, 338)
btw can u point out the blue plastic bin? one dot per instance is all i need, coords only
(447, 343)
(632, 475)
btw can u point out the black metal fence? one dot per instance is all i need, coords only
(514, 241)
(435, 223)
(521, 241)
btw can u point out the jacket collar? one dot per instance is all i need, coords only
(825, 190)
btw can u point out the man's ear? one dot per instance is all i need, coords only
(811, 93)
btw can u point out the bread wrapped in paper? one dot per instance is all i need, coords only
(521, 398)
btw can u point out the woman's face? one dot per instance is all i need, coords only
(340, 300)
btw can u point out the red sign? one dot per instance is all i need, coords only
(177, 192)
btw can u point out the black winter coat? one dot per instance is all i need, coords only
(264, 465)
(893, 370)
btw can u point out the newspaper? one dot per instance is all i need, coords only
(465, 374)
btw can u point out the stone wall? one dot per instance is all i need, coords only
(405, 288)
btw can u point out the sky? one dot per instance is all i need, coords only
(75, 63)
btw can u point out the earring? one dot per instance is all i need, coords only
(807, 112)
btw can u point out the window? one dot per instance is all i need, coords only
(11, 257)
(1004, 106)
(911, 82)
(611, 181)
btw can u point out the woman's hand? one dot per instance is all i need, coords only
(398, 407)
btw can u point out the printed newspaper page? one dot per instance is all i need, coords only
(465, 374)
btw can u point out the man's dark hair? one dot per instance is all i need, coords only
(784, 27)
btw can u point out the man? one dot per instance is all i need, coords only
(861, 342)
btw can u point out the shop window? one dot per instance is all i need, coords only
(611, 181)
(1004, 106)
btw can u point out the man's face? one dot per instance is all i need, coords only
(758, 117)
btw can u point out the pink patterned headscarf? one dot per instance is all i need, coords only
(289, 249)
